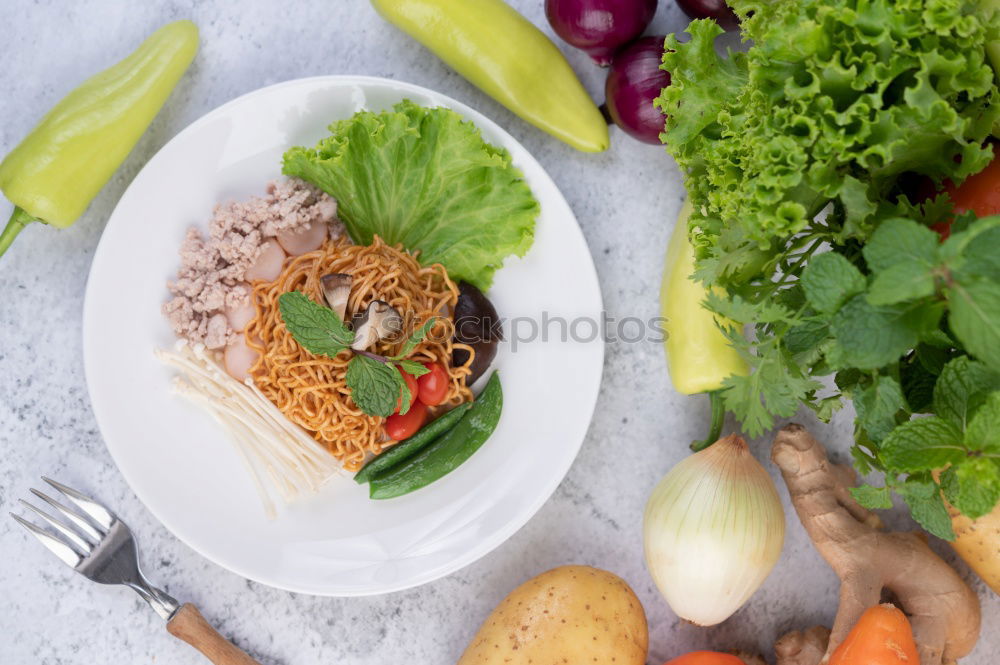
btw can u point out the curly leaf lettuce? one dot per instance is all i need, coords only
(833, 101)
(424, 178)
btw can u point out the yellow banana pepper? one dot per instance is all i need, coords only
(699, 356)
(509, 59)
(54, 173)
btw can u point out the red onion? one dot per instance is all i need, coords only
(634, 81)
(599, 27)
(716, 9)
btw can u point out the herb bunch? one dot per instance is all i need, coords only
(800, 156)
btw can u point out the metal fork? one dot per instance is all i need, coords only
(91, 540)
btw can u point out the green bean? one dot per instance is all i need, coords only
(406, 449)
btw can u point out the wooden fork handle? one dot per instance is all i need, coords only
(189, 625)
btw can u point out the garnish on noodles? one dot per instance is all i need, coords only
(311, 390)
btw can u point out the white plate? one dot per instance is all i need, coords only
(180, 462)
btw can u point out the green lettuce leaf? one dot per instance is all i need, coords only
(424, 178)
(832, 101)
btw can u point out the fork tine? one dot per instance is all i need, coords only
(66, 553)
(94, 509)
(79, 543)
(82, 525)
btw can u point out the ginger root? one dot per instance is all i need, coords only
(943, 610)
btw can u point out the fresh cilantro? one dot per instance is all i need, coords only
(317, 328)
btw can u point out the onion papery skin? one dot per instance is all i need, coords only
(634, 82)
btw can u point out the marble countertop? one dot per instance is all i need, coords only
(625, 200)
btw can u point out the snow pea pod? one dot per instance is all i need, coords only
(448, 452)
(54, 173)
(508, 58)
(404, 450)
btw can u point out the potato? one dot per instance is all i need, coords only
(573, 615)
(978, 543)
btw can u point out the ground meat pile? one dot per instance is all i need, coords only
(210, 281)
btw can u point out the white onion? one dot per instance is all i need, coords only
(713, 530)
(306, 239)
(268, 264)
(239, 358)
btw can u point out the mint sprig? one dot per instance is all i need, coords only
(315, 327)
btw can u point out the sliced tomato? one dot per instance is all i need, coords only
(403, 426)
(433, 384)
(412, 385)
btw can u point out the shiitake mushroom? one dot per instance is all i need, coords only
(478, 325)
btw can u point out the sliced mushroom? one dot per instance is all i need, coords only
(337, 290)
(378, 321)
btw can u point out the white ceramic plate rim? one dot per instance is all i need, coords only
(586, 401)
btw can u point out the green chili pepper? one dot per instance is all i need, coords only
(509, 59)
(698, 354)
(448, 452)
(67, 158)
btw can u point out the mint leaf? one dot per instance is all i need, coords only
(901, 282)
(869, 337)
(898, 241)
(415, 338)
(983, 433)
(376, 387)
(972, 486)
(316, 327)
(877, 407)
(829, 280)
(412, 367)
(807, 336)
(961, 388)
(975, 318)
(872, 497)
(981, 258)
(922, 444)
(923, 497)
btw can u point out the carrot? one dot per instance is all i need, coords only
(706, 658)
(882, 636)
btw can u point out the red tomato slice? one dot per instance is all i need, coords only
(399, 427)
(433, 384)
(411, 383)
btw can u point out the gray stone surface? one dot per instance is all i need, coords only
(625, 199)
